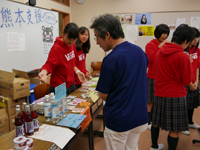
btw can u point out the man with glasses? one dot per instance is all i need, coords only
(122, 84)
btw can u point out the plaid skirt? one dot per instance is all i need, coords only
(170, 114)
(192, 98)
(150, 90)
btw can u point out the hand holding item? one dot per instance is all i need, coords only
(43, 76)
(161, 44)
(88, 76)
(81, 76)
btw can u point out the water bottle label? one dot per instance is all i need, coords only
(19, 130)
(61, 110)
(36, 123)
(65, 108)
(55, 113)
(47, 111)
(29, 127)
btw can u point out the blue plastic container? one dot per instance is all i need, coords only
(32, 95)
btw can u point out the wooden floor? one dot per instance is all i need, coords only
(185, 141)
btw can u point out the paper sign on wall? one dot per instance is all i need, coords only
(15, 41)
(87, 120)
(146, 30)
(60, 92)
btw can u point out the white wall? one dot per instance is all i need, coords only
(83, 14)
(48, 4)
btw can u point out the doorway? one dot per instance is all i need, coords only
(64, 19)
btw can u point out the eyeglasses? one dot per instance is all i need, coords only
(95, 38)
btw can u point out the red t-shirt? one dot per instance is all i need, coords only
(173, 71)
(194, 54)
(150, 49)
(61, 63)
(80, 64)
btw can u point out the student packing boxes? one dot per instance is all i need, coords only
(14, 84)
(4, 124)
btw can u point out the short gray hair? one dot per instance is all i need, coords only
(108, 23)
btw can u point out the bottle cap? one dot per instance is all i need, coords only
(17, 106)
(27, 106)
(17, 109)
(46, 96)
(24, 103)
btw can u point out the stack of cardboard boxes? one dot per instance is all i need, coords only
(14, 87)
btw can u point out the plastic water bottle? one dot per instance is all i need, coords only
(64, 100)
(55, 110)
(60, 105)
(51, 96)
(47, 109)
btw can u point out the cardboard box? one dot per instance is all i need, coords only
(14, 85)
(4, 124)
(10, 105)
(35, 80)
(12, 122)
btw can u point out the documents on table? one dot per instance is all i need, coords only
(72, 120)
(58, 135)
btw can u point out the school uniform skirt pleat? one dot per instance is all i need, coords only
(192, 98)
(170, 114)
(150, 90)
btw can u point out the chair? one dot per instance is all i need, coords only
(96, 66)
(196, 141)
(41, 90)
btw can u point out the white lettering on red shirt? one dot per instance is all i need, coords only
(194, 55)
(81, 57)
(70, 56)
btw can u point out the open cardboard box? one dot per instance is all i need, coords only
(14, 84)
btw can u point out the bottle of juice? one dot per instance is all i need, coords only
(55, 110)
(64, 100)
(24, 113)
(19, 127)
(47, 109)
(29, 127)
(34, 115)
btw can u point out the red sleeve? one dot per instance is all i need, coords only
(185, 71)
(150, 51)
(51, 62)
(84, 70)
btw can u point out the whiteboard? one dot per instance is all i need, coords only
(26, 35)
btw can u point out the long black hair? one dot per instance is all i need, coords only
(86, 45)
(197, 35)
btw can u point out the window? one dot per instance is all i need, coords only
(64, 2)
